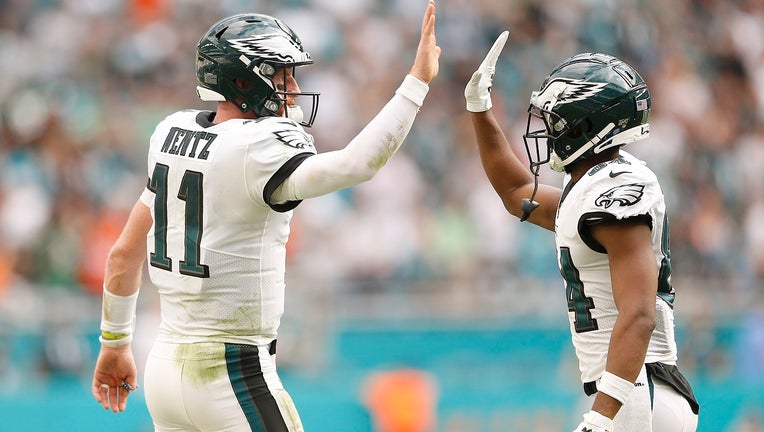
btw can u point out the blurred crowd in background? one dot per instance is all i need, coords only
(85, 81)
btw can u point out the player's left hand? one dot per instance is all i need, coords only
(115, 377)
(426, 63)
(478, 90)
(594, 422)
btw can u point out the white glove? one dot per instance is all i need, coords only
(594, 422)
(478, 90)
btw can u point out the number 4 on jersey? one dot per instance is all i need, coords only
(578, 302)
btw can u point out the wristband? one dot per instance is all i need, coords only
(117, 319)
(121, 339)
(600, 422)
(615, 386)
(413, 89)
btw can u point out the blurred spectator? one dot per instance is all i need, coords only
(401, 400)
(84, 81)
(749, 349)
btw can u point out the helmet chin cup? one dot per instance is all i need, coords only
(295, 113)
(556, 163)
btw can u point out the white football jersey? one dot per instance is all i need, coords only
(216, 250)
(618, 189)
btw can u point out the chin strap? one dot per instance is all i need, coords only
(529, 205)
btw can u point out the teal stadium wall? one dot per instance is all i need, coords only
(496, 377)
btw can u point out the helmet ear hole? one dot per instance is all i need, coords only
(575, 132)
(243, 84)
(583, 127)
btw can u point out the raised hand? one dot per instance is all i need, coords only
(478, 90)
(428, 52)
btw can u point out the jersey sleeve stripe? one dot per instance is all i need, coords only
(278, 177)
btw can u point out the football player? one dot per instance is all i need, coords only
(611, 232)
(213, 222)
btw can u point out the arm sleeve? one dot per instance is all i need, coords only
(363, 157)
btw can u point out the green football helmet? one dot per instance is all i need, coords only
(589, 103)
(251, 48)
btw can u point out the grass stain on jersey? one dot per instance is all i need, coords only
(377, 162)
(244, 321)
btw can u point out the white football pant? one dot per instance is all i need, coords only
(206, 387)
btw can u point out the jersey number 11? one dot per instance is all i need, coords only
(191, 193)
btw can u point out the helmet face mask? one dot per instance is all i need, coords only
(238, 58)
(295, 112)
(588, 104)
(540, 129)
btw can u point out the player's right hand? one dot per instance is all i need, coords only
(426, 64)
(478, 90)
(594, 422)
(115, 376)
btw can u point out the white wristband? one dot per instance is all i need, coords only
(117, 319)
(413, 89)
(615, 386)
(599, 422)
